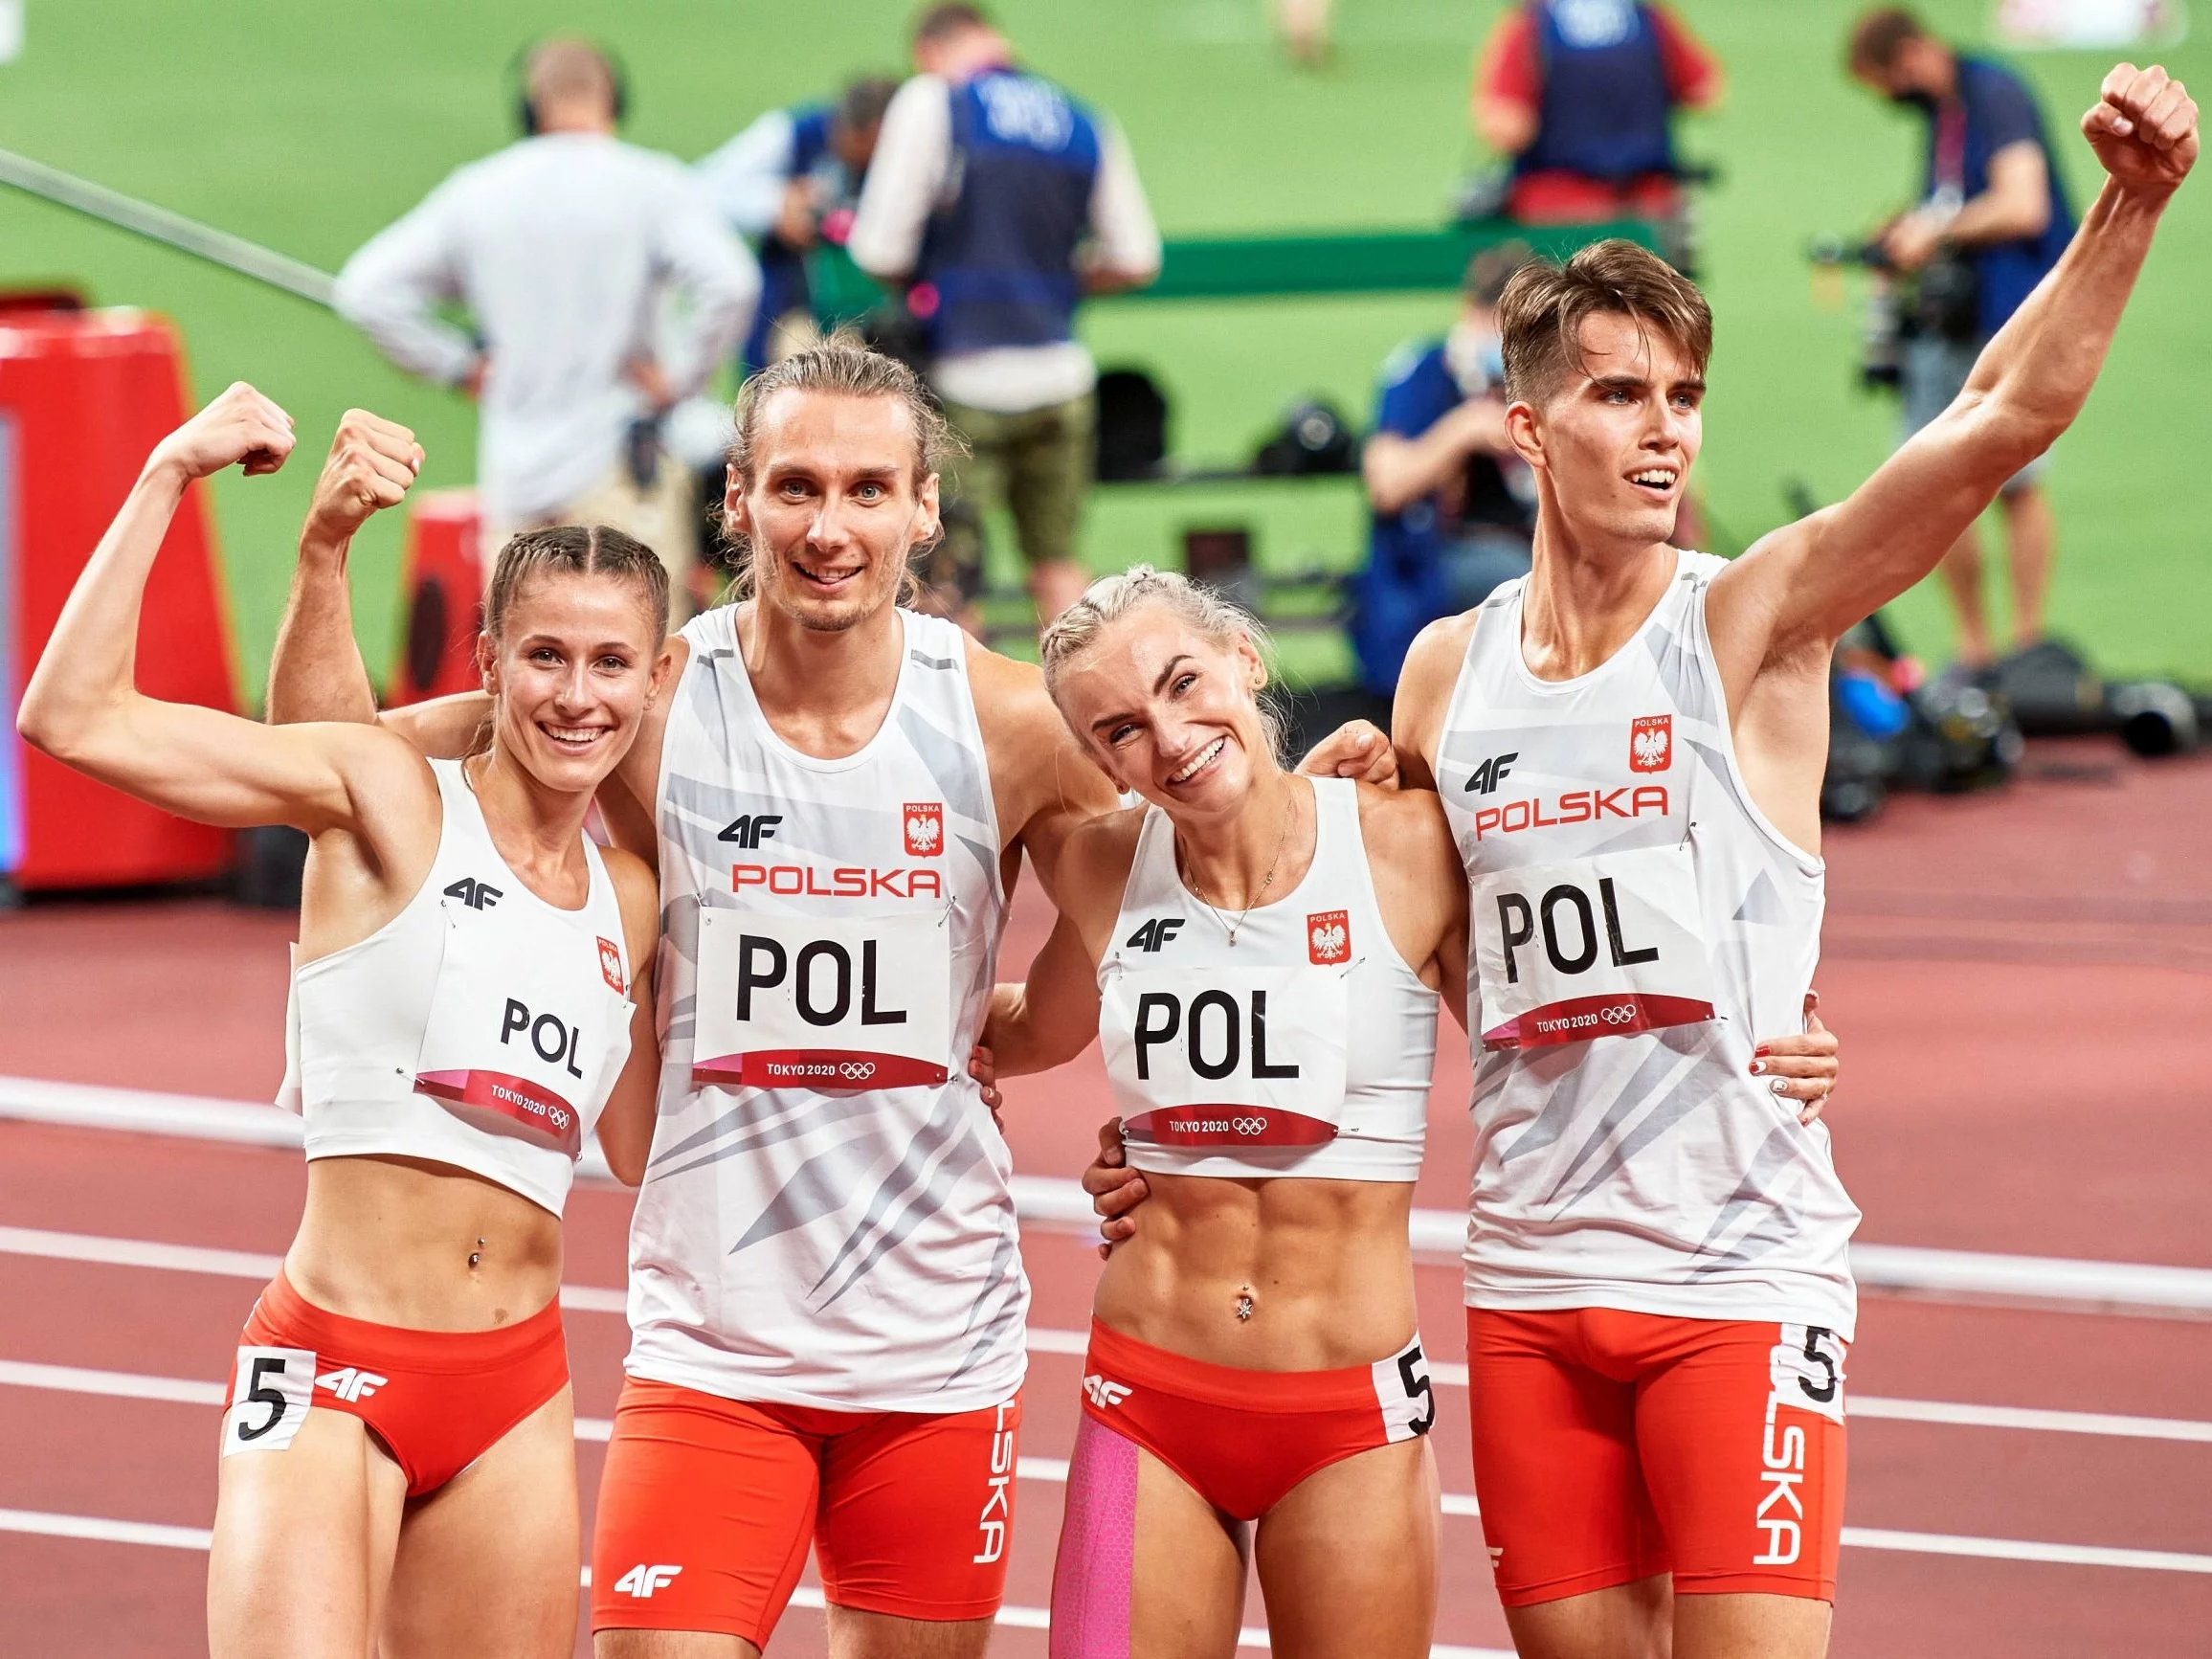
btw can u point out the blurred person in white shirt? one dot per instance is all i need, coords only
(566, 249)
(998, 201)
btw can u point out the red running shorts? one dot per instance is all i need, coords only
(436, 1400)
(707, 1506)
(1612, 1447)
(1243, 1439)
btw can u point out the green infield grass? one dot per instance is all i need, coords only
(306, 127)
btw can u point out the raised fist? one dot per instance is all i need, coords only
(240, 426)
(2144, 130)
(372, 461)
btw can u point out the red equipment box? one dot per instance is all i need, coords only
(441, 594)
(84, 396)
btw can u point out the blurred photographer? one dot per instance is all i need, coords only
(1991, 220)
(1454, 506)
(786, 183)
(1579, 95)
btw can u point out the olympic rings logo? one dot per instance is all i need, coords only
(1619, 1014)
(1248, 1126)
(857, 1071)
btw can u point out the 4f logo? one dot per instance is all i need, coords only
(351, 1384)
(643, 1581)
(751, 829)
(474, 894)
(1651, 743)
(1102, 1394)
(1329, 938)
(1491, 773)
(1153, 935)
(925, 821)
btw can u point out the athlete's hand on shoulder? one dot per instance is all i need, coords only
(985, 1070)
(240, 427)
(1803, 1067)
(1358, 748)
(2143, 128)
(1116, 1189)
(372, 464)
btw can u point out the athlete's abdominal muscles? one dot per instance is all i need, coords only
(1090, 1581)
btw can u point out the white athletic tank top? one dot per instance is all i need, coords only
(1305, 1048)
(1635, 926)
(480, 1027)
(826, 1219)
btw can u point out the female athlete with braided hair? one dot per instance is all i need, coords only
(472, 992)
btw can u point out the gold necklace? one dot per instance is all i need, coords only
(1290, 821)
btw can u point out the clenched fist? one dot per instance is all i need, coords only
(372, 461)
(2144, 130)
(240, 426)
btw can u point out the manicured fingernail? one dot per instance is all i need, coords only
(1758, 1067)
(1780, 1086)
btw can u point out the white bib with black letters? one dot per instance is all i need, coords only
(523, 1025)
(1590, 948)
(791, 1001)
(1222, 1056)
(1300, 1046)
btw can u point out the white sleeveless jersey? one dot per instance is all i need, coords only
(1635, 926)
(1304, 1048)
(480, 1027)
(826, 1219)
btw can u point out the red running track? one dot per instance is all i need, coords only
(2024, 983)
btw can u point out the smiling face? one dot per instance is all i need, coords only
(574, 663)
(1169, 710)
(1613, 442)
(835, 500)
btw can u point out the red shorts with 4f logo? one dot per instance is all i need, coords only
(1612, 1447)
(436, 1400)
(707, 1506)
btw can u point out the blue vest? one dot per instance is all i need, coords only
(1002, 256)
(783, 268)
(1603, 113)
(2006, 273)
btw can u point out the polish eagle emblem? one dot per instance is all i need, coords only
(1328, 937)
(925, 828)
(1651, 743)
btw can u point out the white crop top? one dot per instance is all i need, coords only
(1303, 1050)
(480, 1027)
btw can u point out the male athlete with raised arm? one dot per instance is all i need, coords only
(827, 1302)
(1629, 745)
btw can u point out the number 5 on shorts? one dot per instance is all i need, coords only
(1402, 1389)
(269, 1399)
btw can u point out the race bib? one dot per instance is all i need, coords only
(1206, 1056)
(526, 1025)
(801, 1003)
(1598, 947)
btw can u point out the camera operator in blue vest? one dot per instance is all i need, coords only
(786, 183)
(1580, 95)
(1454, 506)
(998, 201)
(1991, 220)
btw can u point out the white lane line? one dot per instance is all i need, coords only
(98, 1529)
(2022, 1550)
(216, 1264)
(1053, 1470)
(1045, 1339)
(1053, 1204)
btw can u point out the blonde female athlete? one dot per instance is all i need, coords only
(1260, 955)
(398, 1472)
